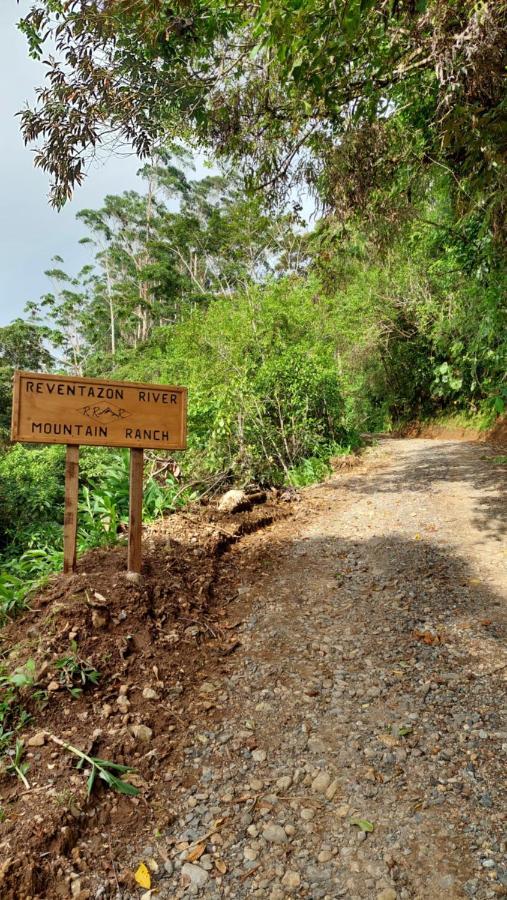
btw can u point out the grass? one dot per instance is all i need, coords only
(480, 420)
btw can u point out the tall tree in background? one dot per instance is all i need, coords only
(22, 346)
(157, 256)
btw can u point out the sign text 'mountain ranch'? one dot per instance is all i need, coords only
(58, 409)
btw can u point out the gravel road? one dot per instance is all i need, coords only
(354, 746)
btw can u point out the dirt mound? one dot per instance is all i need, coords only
(151, 642)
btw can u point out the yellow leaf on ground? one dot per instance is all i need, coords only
(143, 876)
(220, 865)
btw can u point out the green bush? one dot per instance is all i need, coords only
(263, 380)
(31, 491)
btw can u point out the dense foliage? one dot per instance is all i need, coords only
(301, 88)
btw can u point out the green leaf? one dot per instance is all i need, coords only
(124, 787)
(111, 765)
(91, 780)
(363, 824)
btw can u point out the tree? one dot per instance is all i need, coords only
(157, 256)
(279, 87)
(21, 347)
(65, 307)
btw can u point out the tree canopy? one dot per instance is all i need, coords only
(318, 91)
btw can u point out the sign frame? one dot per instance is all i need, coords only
(136, 447)
(179, 443)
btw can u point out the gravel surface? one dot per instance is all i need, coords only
(354, 745)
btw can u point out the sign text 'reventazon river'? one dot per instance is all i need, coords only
(58, 409)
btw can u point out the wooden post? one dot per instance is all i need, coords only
(136, 510)
(70, 515)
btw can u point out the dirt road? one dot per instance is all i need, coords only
(369, 686)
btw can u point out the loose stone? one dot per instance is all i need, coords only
(141, 733)
(259, 755)
(196, 875)
(321, 783)
(284, 782)
(274, 833)
(150, 694)
(307, 814)
(291, 879)
(333, 787)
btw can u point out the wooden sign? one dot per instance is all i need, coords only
(60, 409)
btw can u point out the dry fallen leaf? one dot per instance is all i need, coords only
(220, 865)
(428, 637)
(196, 853)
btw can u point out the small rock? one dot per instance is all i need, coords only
(53, 686)
(37, 740)
(99, 620)
(325, 856)
(321, 783)
(123, 703)
(274, 833)
(207, 687)
(284, 782)
(134, 578)
(333, 787)
(316, 745)
(276, 894)
(291, 879)
(196, 875)
(107, 709)
(150, 694)
(250, 853)
(307, 814)
(343, 811)
(141, 732)
(317, 875)
(387, 894)
(259, 755)
(233, 501)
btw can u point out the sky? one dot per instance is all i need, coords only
(31, 232)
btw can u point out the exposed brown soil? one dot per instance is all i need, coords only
(495, 436)
(164, 633)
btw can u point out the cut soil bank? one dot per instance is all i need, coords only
(496, 435)
(149, 642)
(344, 663)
